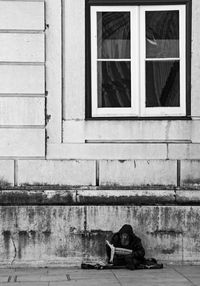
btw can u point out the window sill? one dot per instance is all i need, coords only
(141, 118)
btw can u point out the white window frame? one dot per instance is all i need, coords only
(134, 20)
(137, 60)
(163, 111)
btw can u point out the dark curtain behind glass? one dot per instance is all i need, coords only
(162, 41)
(113, 42)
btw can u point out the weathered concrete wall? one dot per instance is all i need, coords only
(41, 235)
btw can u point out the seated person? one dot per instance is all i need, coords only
(125, 249)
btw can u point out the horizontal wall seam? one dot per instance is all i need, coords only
(22, 1)
(22, 158)
(138, 141)
(22, 126)
(22, 95)
(13, 31)
(22, 63)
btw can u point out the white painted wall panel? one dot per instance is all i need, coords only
(56, 172)
(195, 96)
(6, 173)
(22, 142)
(184, 151)
(22, 111)
(22, 47)
(21, 15)
(22, 79)
(138, 172)
(190, 173)
(133, 130)
(196, 131)
(74, 131)
(107, 151)
(138, 130)
(54, 70)
(74, 53)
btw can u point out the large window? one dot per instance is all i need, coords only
(138, 60)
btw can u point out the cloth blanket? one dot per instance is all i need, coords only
(147, 264)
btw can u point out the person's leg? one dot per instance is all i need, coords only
(119, 260)
(131, 262)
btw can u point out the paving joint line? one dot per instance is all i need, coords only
(184, 277)
(116, 278)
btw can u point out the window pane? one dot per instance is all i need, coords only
(113, 35)
(114, 84)
(162, 83)
(162, 34)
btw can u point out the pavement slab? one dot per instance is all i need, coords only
(168, 276)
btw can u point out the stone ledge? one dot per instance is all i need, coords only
(37, 197)
(78, 196)
(188, 197)
(125, 197)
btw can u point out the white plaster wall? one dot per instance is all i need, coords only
(22, 79)
(176, 137)
(74, 60)
(195, 95)
(44, 172)
(138, 172)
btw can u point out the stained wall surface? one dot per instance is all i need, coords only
(38, 235)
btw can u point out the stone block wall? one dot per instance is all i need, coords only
(100, 173)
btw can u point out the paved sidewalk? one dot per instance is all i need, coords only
(169, 276)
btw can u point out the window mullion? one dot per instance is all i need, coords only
(182, 44)
(135, 60)
(142, 59)
(94, 59)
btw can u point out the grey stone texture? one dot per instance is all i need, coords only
(168, 276)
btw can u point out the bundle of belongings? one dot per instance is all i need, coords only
(125, 250)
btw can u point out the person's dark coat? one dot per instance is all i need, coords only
(138, 253)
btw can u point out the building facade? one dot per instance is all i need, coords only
(100, 126)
